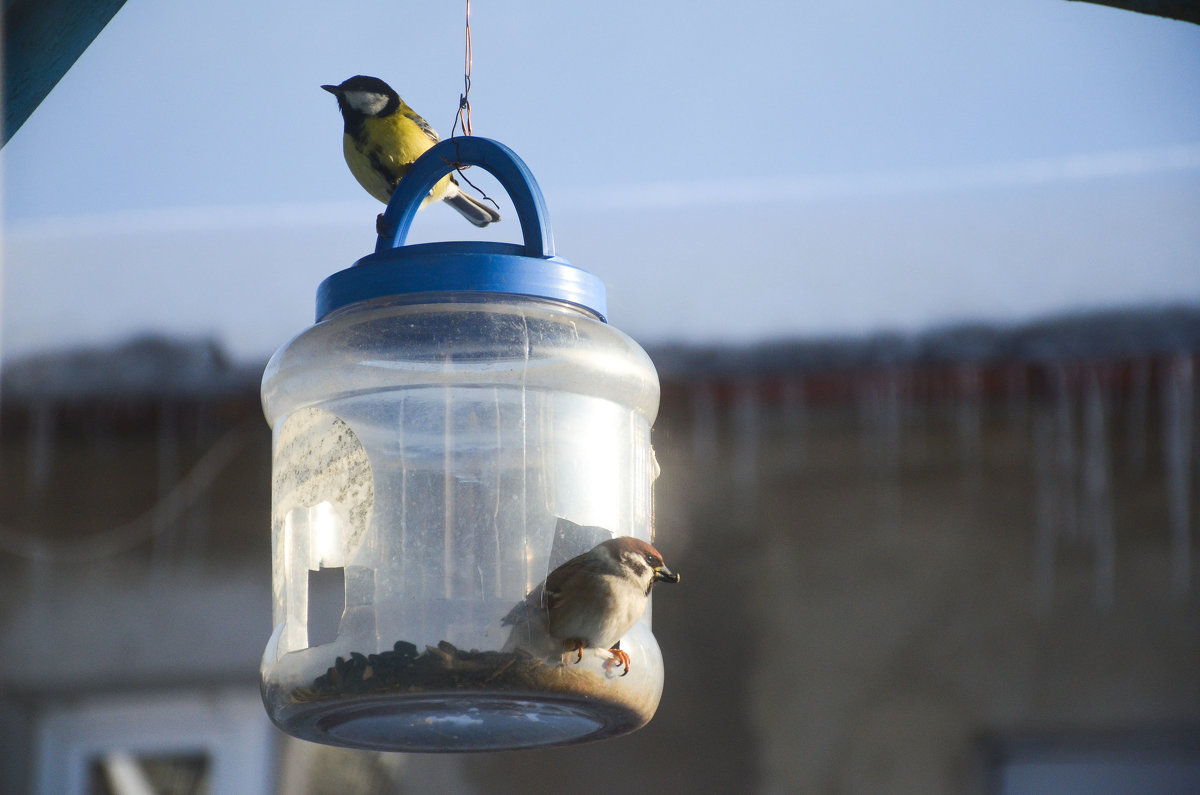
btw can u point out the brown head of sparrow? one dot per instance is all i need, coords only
(590, 601)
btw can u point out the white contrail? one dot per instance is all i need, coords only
(190, 219)
(759, 189)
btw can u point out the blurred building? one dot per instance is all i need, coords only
(957, 562)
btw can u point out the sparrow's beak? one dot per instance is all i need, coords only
(331, 89)
(663, 574)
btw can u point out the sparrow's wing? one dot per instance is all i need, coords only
(550, 594)
(525, 608)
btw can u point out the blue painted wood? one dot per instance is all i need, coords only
(42, 40)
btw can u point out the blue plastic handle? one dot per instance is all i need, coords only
(435, 270)
(493, 157)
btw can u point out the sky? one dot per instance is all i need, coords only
(733, 171)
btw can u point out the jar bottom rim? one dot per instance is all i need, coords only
(456, 722)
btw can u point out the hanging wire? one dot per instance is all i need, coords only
(463, 118)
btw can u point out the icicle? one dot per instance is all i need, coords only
(704, 425)
(1135, 415)
(795, 418)
(969, 419)
(1096, 508)
(1178, 408)
(1066, 466)
(1056, 479)
(879, 408)
(1046, 502)
(890, 439)
(747, 429)
(908, 410)
(866, 401)
(921, 393)
(1016, 395)
(166, 535)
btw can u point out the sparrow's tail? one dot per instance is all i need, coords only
(471, 208)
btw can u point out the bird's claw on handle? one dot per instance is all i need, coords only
(618, 658)
(577, 647)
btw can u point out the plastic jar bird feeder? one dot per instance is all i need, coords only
(460, 421)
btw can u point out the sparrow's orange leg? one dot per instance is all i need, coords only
(577, 647)
(618, 658)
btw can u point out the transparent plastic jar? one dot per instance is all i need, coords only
(436, 455)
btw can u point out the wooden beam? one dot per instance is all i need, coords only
(1185, 10)
(42, 39)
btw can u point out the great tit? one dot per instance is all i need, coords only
(382, 139)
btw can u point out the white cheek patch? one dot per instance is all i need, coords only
(366, 102)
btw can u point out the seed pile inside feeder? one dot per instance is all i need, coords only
(436, 668)
(446, 668)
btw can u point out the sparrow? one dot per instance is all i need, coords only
(590, 601)
(383, 136)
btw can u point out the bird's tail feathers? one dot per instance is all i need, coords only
(471, 208)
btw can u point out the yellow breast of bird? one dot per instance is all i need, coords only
(381, 155)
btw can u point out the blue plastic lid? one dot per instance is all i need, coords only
(530, 270)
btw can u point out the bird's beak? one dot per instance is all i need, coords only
(331, 89)
(663, 574)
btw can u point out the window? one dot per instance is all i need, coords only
(179, 742)
(1128, 764)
